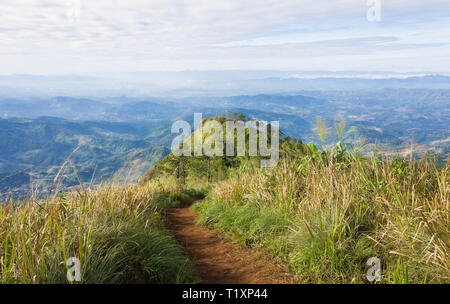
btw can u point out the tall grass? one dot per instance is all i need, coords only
(115, 231)
(326, 213)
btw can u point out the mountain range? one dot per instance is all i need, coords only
(124, 136)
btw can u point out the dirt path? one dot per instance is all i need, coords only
(219, 261)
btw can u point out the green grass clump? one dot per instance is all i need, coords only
(116, 232)
(326, 213)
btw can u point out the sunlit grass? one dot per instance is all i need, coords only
(326, 213)
(116, 231)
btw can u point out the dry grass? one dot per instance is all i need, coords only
(326, 217)
(116, 232)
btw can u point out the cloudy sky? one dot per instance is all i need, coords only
(98, 36)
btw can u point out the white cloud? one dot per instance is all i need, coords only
(112, 35)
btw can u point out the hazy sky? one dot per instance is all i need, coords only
(89, 36)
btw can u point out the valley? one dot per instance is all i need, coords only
(121, 138)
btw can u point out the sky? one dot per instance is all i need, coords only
(52, 37)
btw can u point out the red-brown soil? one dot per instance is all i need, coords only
(219, 261)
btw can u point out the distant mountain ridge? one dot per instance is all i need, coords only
(211, 83)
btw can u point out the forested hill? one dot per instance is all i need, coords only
(326, 212)
(321, 213)
(32, 151)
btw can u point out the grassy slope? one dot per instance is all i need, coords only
(323, 213)
(326, 213)
(116, 232)
(325, 219)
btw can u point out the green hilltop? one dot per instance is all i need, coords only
(325, 212)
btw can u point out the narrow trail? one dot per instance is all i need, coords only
(219, 261)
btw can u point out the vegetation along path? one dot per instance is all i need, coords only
(219, 261)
